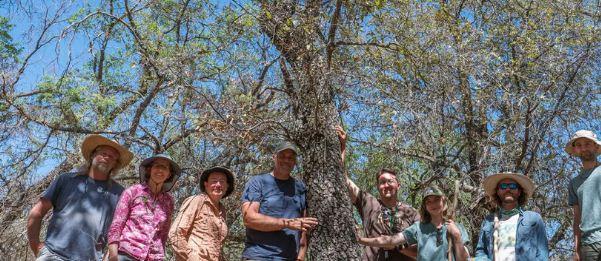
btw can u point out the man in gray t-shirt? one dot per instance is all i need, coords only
(585, 193)
(82, 203)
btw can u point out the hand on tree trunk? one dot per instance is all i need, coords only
(302, 224)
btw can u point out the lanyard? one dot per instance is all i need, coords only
(390, 214)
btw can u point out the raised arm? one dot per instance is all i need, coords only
(352, 188)
(383, 241)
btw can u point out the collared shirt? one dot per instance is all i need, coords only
(379, 220)
(199, 230)
(431, 242)
(82, 213)
(531, 239)
(141, 223)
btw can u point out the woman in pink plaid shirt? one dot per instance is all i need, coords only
(143, 215)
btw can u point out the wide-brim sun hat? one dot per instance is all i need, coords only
(587, 134)
(175, 170)
(204, 176)
(490, 183)
(91, 142)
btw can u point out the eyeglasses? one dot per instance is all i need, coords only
(508, 186)
(390, 182)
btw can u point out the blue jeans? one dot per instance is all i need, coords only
(591, 252)
(47, 255)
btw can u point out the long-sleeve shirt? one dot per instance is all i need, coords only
(141, 223)
(199, 230)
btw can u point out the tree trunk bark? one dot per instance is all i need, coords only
(308, 83)
(327, 197)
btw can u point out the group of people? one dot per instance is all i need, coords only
(396, 231)
(91, 211)
(509, 233)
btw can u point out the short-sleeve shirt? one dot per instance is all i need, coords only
(82, 213)
(431, 243)
(378, 220)
(279, 199)
(585, 191)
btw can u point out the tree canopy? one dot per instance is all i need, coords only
(438, 90)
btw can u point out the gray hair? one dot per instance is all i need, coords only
(84, 169)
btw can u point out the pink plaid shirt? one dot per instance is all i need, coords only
(141, 223)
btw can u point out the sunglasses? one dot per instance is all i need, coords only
(508, 186)
(439, 237)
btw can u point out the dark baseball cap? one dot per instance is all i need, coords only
(432, 191)
(285, 145)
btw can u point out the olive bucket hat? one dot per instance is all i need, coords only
(432, 191)
(204, 176)
(175, 170)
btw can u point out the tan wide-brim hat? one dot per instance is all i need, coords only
(587, 134)
(91, 142)
(490, 183)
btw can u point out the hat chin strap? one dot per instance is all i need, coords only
(155, 187)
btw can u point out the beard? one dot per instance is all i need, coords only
(588, 156)
(508, 199)
(102, 167)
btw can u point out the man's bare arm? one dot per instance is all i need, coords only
(304, 243)
(577, 232)
(34, 223)
(353, 189)
(257, 221)
(384, 241)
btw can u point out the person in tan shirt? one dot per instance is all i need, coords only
(199, 230)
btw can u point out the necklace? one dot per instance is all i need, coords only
(509, 213)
